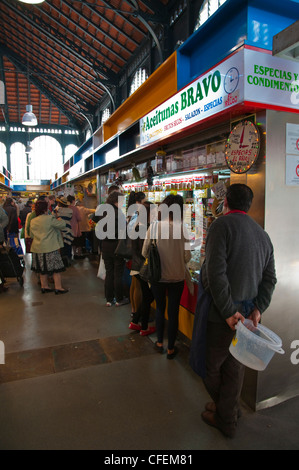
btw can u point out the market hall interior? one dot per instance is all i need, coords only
(75, 377)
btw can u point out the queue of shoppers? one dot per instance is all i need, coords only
(237, 279)
(235, 284)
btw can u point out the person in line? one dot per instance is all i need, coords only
(136, 198)
(75, 220)
(114, 264)
(143, 311)
(12, 228)
(51, 203)
(84, 227)
(20, 204)
(45, 231)
(112, 188)
(64, 212)
(135, 287)
(3, 224)
(25, 211)
(174, 252)
(238, 279)
(29, 218)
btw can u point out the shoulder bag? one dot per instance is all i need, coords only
(150, 271)
(124, 248)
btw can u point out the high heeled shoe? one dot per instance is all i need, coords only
(58, 291)
(45, 290)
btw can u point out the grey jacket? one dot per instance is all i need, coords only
(239, 265)
(3, 223)
(173, 248)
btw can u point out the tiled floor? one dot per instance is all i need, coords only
(76, 377)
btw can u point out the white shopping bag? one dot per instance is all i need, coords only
(102, 271)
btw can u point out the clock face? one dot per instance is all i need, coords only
(231, 80)
(242, 147)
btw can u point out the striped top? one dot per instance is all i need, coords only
(66, 213)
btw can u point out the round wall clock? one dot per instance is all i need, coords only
(231, 80)
(242, 147)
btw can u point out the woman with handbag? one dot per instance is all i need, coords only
(135, 287)
(174, 252)
(45, 231)
(143, 311)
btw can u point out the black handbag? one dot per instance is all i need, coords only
(124, 248)
(151, 269)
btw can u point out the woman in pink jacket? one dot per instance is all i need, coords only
(75, 220)
(85, 228)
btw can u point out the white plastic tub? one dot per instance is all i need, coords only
(255, 346)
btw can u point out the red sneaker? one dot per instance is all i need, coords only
(134, 326)
(149, 331)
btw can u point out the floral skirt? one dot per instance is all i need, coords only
(47, 263)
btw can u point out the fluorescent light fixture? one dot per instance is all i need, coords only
(32, 2)
(29, 119)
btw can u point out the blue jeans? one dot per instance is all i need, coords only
(174, 291)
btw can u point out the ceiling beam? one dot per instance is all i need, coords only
(21, 66)
(119, 13)
(95, 69)
(159, 10)
(97, 51)
(71, 7)
(49, 35)
(91, 80)
(89, 93)
(142, 17)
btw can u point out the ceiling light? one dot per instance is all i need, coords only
(29, 119)
(32, 2)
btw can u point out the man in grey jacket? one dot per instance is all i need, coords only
(239, 275)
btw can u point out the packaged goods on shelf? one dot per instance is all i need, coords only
(201, 155)
(195, 264)
(187, 158)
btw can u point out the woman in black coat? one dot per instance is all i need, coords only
(12, 229)
(25, 211)
(114, 264)
(11, 210)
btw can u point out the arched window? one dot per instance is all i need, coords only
(88, 134)
(18, 161)
(207, 9)
(3, 156)
(46, 158)
(139, 78)
(69, 151)
(105, 115)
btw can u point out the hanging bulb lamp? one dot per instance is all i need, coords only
(32, 2)
(29, 119)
